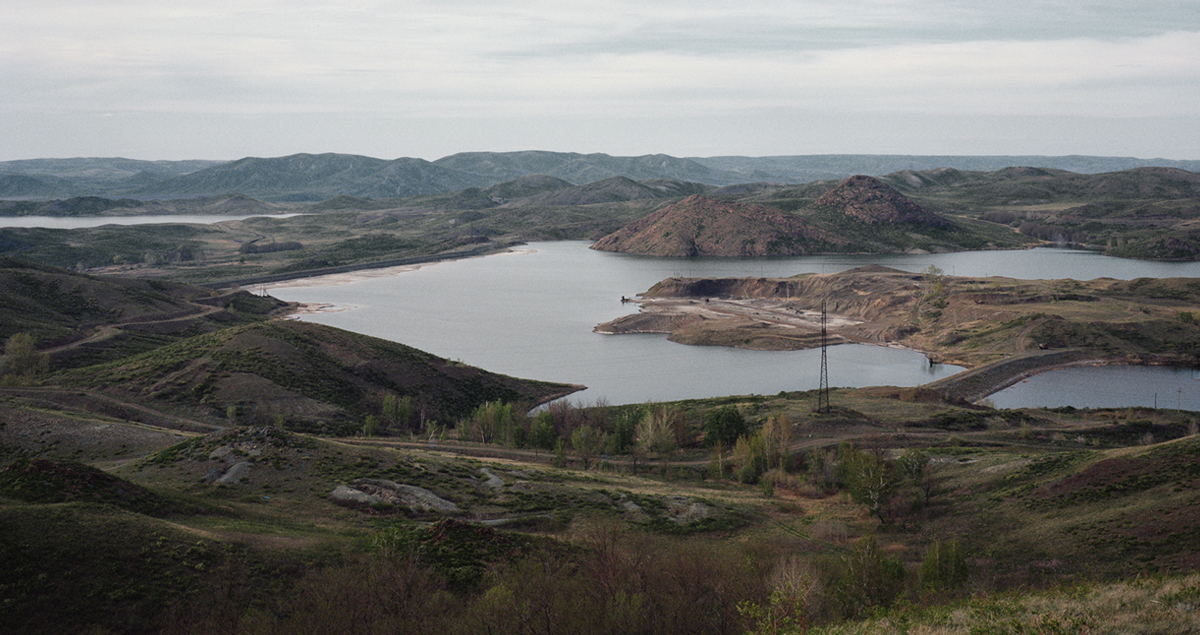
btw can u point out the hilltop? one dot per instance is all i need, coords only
(701, 226)
(860, 214)
(873, 202)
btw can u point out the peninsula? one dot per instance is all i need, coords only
(975, 322)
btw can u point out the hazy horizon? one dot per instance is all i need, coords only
(223, 80)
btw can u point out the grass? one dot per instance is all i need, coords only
(1013, 502)
(1166, 605)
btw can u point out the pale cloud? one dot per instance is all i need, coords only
(604, 60)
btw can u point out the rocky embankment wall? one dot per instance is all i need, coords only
(977, 383)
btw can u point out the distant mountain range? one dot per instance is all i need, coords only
(317, 177)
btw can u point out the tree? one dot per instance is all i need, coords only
(916, 467)
(869, 578)
(587, 442)
(399, 411)
(492, 422)
(22, 362)
(541, 431)
(624, 432)
(944, 567)
(371, 426)
(872, 480)
(723, 426)
(750, 457)
(659, 429)
(777, 436)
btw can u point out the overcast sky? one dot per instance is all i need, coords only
(223, 79)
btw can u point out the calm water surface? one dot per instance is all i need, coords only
(530, 314)
(1105, 387)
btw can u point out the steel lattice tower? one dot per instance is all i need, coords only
(823, 391)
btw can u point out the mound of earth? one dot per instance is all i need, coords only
(309, 377)
(50, 481)
(874, 202)
(702, 226)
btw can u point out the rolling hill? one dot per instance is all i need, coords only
(220, 356)
(305, 376)
(315, 177)
(861, 214)
(701, 226)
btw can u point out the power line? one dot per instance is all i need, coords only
(823, 390)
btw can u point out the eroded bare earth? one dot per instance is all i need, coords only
(968, 321)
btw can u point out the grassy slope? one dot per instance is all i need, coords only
(168, 353)
(307, 376)
(1036, 497)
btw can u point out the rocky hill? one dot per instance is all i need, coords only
(861, 214)
(874, 202)
(701, 226)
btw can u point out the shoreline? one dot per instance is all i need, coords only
(358, 275)
(276, 280)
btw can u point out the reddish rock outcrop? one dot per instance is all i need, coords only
(701, 226)
(874, 202)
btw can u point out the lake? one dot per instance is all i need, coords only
(531, 313)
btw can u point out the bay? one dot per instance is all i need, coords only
(531, 313)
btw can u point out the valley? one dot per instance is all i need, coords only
(177, 456)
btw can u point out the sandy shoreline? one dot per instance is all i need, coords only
(335, 279)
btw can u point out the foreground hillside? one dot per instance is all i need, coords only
(305, 376)
(258, 530)
(191, 358)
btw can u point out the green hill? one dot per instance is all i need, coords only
(305, 376)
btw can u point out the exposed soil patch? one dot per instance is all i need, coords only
(1007, 329)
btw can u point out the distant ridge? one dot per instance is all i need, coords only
(316, 177)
